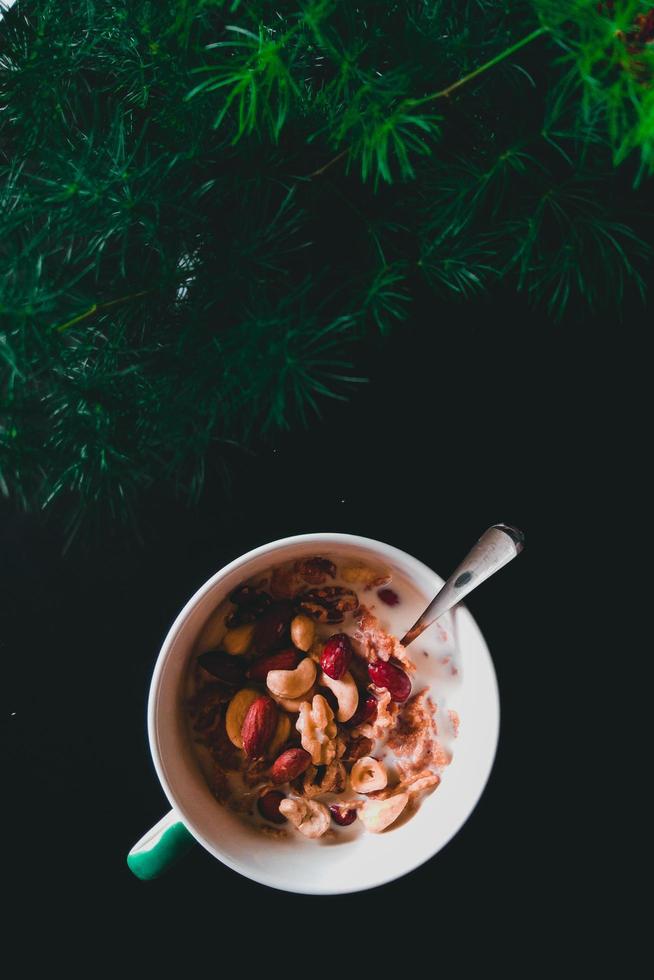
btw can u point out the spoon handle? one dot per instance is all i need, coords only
(497, 546)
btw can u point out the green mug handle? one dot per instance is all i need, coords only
(160, 847)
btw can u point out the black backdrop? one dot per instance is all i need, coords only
(474, 415)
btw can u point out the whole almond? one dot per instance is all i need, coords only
(259, 726)
(284, 660)
(289, 764)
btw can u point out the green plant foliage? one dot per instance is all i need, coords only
(609, 52)
(256, 78)
(207, 205)
(387, 299)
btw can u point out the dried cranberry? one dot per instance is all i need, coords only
(268, 806)
(336, 655)
(389, 596)
(385, 674)
(365, 713)
(341, 816)
(227, 669)
(273, 629)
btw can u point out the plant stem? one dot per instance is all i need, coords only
(95, 308)
(330, 163)
(444, 92)
(482, 68)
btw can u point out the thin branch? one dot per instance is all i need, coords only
(330, 163)
(98, 308)
(445, 92)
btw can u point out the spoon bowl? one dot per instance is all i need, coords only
(496, 547)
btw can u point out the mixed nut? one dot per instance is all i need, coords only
(291, 712)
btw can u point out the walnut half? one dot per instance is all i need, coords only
(329, 604)
(332, 780)
(318, 730)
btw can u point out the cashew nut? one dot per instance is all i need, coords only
(346, 693)
(237, 641)
(377, 815)
(303, 632)
(292, 683)
(293, 705)
(311, 819)
(368, 775)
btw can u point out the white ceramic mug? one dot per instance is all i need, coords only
(295, 864)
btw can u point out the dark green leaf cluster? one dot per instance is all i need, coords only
(207, 205)
(609, 56)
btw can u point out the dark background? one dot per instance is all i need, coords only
(473, 415)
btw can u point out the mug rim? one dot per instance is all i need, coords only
(324, 538)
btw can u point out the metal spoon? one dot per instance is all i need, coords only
(497, 546)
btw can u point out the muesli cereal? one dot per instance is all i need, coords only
(303, 704)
